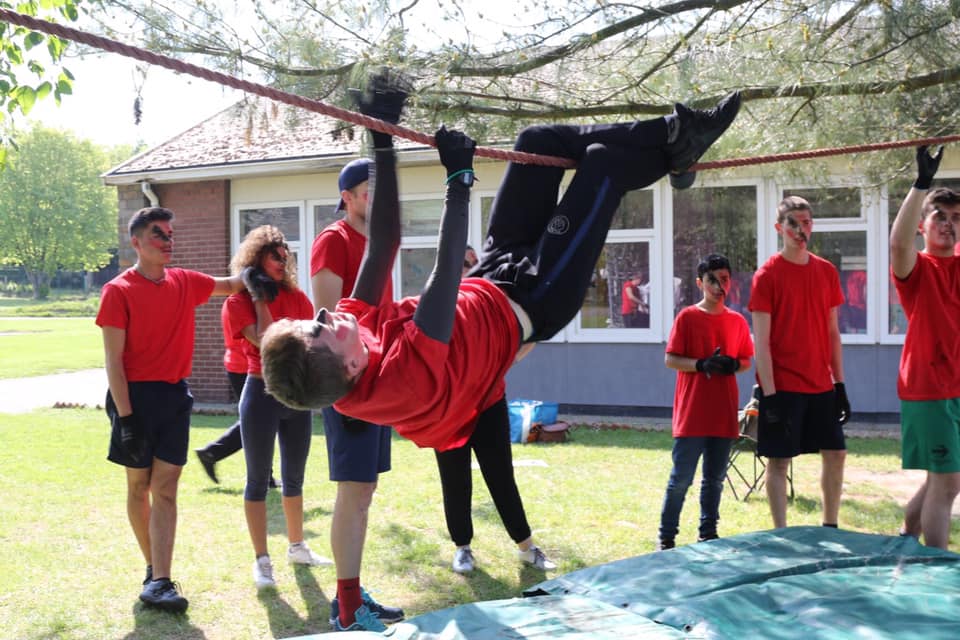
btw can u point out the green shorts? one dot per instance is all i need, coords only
(930, 431)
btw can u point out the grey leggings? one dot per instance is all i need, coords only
(262, 419)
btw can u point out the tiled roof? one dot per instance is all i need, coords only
(252, 130)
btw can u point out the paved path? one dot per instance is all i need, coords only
(21, 395)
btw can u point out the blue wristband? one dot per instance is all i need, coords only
(465, 175)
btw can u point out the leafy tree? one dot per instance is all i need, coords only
(30, 61)
(54, 211)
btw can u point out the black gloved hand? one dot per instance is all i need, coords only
(456, 152)
(727, 365)
(133, 438)
(259, 285)
(927, 166)
(773, 411)
(841, 402)
(385, 95)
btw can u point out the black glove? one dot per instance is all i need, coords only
(774, 413)
(133, 439)
(456, 153)
(259, 285)
(841, 402)
(927, 166)
(727, 365)
(384, 97)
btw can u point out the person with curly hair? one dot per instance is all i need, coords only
(272, 293)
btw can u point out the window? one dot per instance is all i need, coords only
(714, 220)
(418, 252)
(415, 266)
(286, 217)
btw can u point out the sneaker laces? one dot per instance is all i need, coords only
(265, 567)
(367, 619)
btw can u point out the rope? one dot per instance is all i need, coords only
(68, 33)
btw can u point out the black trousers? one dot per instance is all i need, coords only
(491, 444)
(230, 442)
(541, 253)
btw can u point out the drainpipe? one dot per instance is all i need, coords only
(151, 196)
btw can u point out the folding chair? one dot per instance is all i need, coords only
(750, 474)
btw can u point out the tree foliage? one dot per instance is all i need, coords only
(813, 72)
(54, 211)
(30, 61)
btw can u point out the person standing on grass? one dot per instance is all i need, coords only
(794, 302)
(928, 283)
(357, 451)
(272, 294)
(147, 318)
(708, 344)
(491, 444)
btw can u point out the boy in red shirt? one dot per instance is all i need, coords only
(928, 283)
(794, 301)
(147, 317)
(429, 366)
(708, 344)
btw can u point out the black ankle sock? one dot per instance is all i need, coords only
(832, 526)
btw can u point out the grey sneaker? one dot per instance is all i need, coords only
(463, 560)
(698, 130)
(263, 573)
(364, 620)
(300, 553)
(164, 594)
(535, 556)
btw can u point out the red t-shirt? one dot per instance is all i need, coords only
(707, 406)
(339, 247)
(627, 305)
(241, 314)
(234, 360)
(158, 319)
(930, 296)
(431, 392)
(799, 298)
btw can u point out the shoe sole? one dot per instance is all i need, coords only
(167, 606)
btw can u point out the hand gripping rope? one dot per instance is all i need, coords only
(521, 157)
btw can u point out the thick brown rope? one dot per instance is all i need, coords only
(359, 119)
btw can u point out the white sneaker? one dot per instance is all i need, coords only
(463, 560)
(300, 553)
(263, 573)
(535, 556)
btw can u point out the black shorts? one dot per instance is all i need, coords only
(811, 426)
(164, 411)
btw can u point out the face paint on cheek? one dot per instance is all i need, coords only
(159, 239)
(713, 282)
(794, 226)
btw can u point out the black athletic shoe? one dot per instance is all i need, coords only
(698, 130)
(385, 613)
(209, 464)
(708, 537)
(164, 594)
(685, 180)
(149, 576)
(664, 543)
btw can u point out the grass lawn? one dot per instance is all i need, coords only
(72, 569)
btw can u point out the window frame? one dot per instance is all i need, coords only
(300, 248)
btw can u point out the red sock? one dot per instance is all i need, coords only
(348, 599)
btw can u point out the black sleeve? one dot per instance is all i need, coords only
(383, 229)
(435, 313)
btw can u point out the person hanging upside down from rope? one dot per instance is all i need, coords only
(431, 365)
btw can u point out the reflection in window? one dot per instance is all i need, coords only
(714, 220)
(324, 215)
(847, 250)
(831, 202)
(415, 266)
(287, 219)
(635, 211)
(623, 271)
(421, 217)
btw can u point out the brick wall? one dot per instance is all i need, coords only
(202, 232)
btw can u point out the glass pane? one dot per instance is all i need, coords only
(324, 215)
(623, 268)
(287, 219)
(714, 220)
(831, 202)
(847, 250)
(635, 211)
(486, 203)
(897, 190)
(421, 217)
(415, 266)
